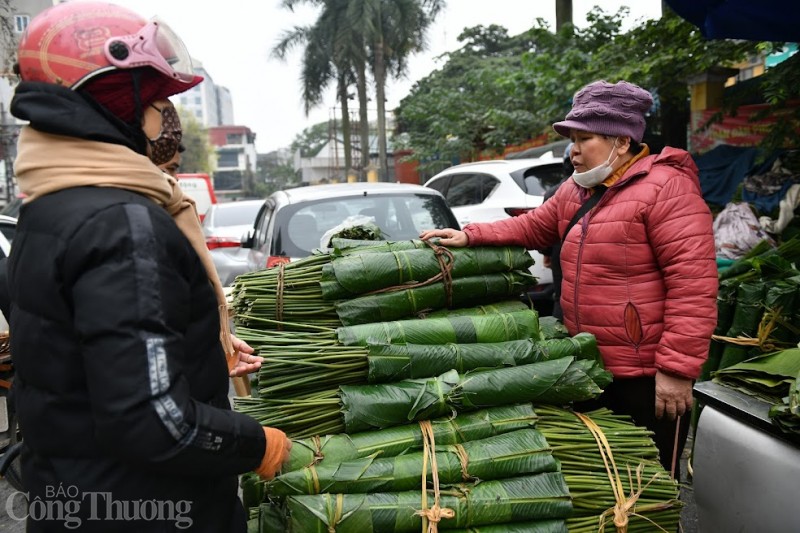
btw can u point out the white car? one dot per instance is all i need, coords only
(292, 222)
(486, 191)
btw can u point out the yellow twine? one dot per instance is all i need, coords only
(314, 478)
(337, 516)
(431, 517)
(625, 506)
(463, 457)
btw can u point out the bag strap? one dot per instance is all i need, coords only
(584, 208)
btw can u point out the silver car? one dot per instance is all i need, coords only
(224, 226)
(292, 222)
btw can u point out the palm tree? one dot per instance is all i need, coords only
(328, 54)
(393, 30)
(563, 13)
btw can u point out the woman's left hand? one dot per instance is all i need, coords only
(246, 363)
(673, 395)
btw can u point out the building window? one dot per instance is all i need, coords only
(198, 100)
(21, 22)
(233, 138)
(228, 159)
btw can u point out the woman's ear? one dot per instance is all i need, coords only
(623, 144)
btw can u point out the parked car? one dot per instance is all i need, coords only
(291, 223)
(224, 226)
(486, 191)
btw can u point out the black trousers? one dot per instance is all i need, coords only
(636, 397)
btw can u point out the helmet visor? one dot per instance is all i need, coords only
(156, 46)
(174, 52)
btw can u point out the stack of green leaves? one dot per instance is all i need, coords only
(787, 413)
(299, 381)
(289, 297)
(408, 302)
(520, 452)
(633, 457)
(524, 498)
(397, 440)
(394, 362)
(355, 274)
(459, 329)
(557, 382)
(767, 377)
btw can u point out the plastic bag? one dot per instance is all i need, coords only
(350, 222)
(737, 231)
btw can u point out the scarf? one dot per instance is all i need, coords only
(47, 163)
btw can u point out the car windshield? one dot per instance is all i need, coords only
(236, 214)
(299, 228)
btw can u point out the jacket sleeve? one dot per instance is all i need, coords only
(125, 275)
(680, 231)
(535, 230)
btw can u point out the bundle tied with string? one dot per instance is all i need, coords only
(625, 506)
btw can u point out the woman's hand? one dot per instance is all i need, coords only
(448, 236)
(673, 395)
(246, 363)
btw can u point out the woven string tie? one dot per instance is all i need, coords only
(431, 517)
(625, 506)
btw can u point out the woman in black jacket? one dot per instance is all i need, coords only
(119, 334)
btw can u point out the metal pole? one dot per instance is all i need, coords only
(7, 138)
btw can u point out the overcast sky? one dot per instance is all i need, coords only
(233, 40)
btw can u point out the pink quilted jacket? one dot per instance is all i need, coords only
(639, 269)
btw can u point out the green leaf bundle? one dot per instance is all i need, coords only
(537, 497)
(787, 413)
(355, 274)
(459, 329)
(394, 441)
(503, 306)
(559, 381)
(520, 452)
(539, 526)
(404, 303)
(746, 317)
(767, 377)
(394, 362)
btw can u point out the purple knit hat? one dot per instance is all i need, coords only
(615, 109)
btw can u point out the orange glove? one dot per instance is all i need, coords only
(275, 455)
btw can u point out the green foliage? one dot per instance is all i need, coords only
(498, 90)
(274, 172)
(197, 156)
(311, 140)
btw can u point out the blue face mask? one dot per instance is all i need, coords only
(598, 174)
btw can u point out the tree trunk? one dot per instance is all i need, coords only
(348, 149)
(363, 119)
(563, 13)
(380, 96)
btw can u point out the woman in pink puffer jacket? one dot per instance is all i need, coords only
(639, 266)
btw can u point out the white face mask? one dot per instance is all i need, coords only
(598, 174)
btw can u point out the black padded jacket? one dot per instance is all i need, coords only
(121, 383)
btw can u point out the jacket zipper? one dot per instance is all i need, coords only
(578, 277)
(584, 230)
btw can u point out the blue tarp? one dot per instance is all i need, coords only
(762, 20)
(722, 169)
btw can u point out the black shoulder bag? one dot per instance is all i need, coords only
(584, 208)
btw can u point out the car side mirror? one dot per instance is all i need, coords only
(247, 240)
